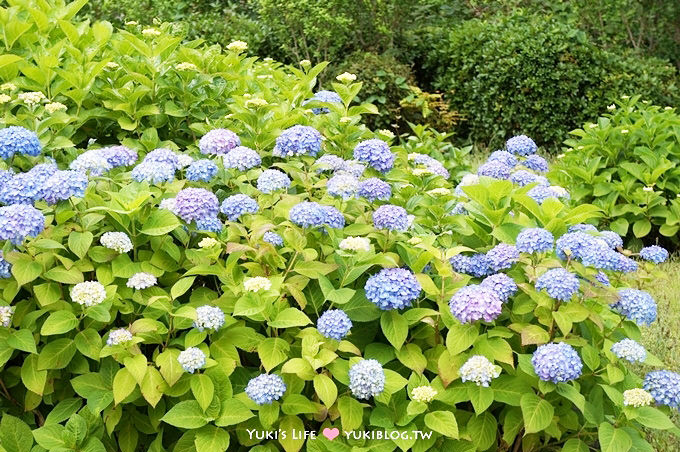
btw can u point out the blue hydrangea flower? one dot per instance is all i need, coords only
(342, 185)
(582, 227)
(431, 164)
(23, 188)
(599, 255)
(352, 167)
(374, 189)
(376, 153)
(502, 256)
(540, 193)
(193, 204)
(636, 305)
(391, 217)
(5, 176)
(534, 240)
(521, 145)
(333, 218)
(328, 162)
(19, 221)
(265, 389)
(218, 141)
(273, 238)
(664, 386)
(366, 379)
(459, 209)
(5, 267)
(191, 359)
(18, 140)
(626, 264)
(201, 170)
(236, 205)
(392, 288)
(324, 96)
(504, 157)
(118, 155)
(92, 162)
(477, 265)
(576, 244)
(298, 140)
(272, 180)
(559, 283)
(557, 362)
(536, 163)
(602, 278)
(334, 324)
(163, 155)
(241, 158)
(209, 224)
(629, 350)
(495, 169)
(476, 302)
(612, 239)
(154, 173)
(654, 254)
(209, 318)
(523, 177)
(307, 214)
(503, 285)
(62, 185)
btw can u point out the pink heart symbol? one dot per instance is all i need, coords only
(331, 433)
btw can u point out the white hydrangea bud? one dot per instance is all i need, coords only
(208, 242)
(256, 284)
(637, 397)
(117, 241)
(119, 336)
(423, 394)
(237, 46)
(355, 244)
(88, 293)
(141, 281)
(346, 77)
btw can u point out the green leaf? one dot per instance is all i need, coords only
(211, 439)
(79, 242)
(653, 418)
(292, 442)
(394, 327)
(443, 422)
(272, 352)
(289, 318)
(534, 334)
(537, 413)
(233, 412)
(642, 227)
(59, 322)
(15, 435)
(351, 413)
(461, 337)
(181, 287)
(32, 378)
(613, 439)
(325, 389)
(171, 370)
(575, 445)
(123, 385)
(89, 343)
(56, 354)
(203, 389)
(480, 397)
(49, 436)
(298, 404)
(482, 430)
(64, 276)
(25, 270)
(160, 222)
(22, 340)
(186, 414)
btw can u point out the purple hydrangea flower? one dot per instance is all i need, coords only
(333, 218)
(576, 244)
(154, 173)
(193, 204)
(521, 145)
(5, 267)
(502, 256)
(523, 178)
(582, 227)
(329, 162)
(342, 185)
(62, 185)
(236, 205)
(475, 302)
(391, 217)
(540, 193)
(334, 324)
(636, 305)
(163, 155)
(298, 140)
(118, 155)
(503, 285)
(557, 362)
(307, 214)
(376, 153)
(392, 288)
(273, 238)
(629, 350)
(602, 278)
(374, 189)
(611, 238)
(559, 283)
(201, 170)
(209, 224)
(218, 141)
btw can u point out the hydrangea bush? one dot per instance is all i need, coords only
(180, 299)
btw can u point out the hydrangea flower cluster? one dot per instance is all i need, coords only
(63, 185)
(203, 170)
(374, 189)
(536, 163)
(392, 288)
(117, 241)
(265, 389)
(504, 157)
(19, 221)
(390, 217)
(329, 162)
(342, 185)
(559, 283)
(209, 224)
(273, 238)
(557, 362)
(479, 370)
(475, 302)
(96, 162)
(355, 244)
(88, 293)
(502, 256)
(5, 267)
(637, 398)
(636, 305)
(18, 140)
(430, 164)
(26, 188)
(209, 318)
(298, 140)
(256, 284)
(468, 179)
(629, 350)
(218, 141)
(523, 177)
(191, 359)
(334, 324)
(664, 386)
(6, 313)
(236, 205)
(141, 280)
(376, 153)
(503, 285)
(193, 204)
(654, 254)
(423, 394)
(118, 337)
(611, 238)
(324, 96)
(154, 173)
(366, 379)
(241, 158)
(272, 180)
(495, 169)
(521, 145)
(477, 265)
(535, 240)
